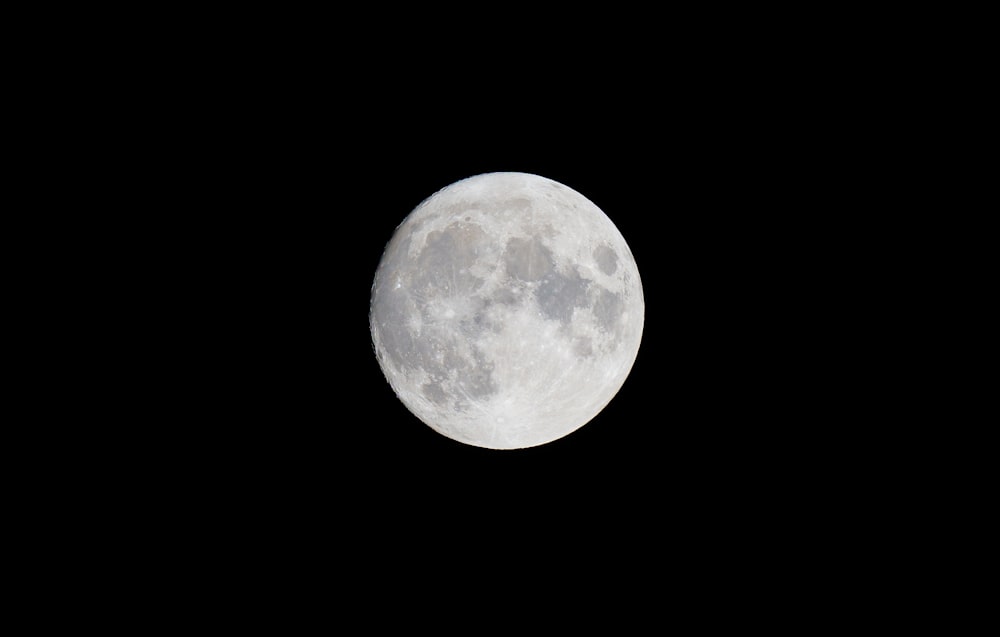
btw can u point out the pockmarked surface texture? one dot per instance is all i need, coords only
(507, 311)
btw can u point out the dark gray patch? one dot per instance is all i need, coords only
(452, 358)
(445, 259)
(425, 352)
(505, 296)
(582, 346)
(607, 259)
(528, 259)
(434, 393)
(452, 366)
(478, 320)
(441, 357)
(516, 204)
(558, 294)
(408, 350)
(608, 309)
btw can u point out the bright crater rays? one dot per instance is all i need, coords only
(507, 311)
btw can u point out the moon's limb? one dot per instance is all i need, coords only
(507, 311)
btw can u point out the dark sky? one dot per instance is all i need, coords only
(709, 206)
(263, 183)
(731, 413)
(711, 392)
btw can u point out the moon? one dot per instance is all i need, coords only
(506, 311)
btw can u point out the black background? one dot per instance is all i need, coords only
(721, 205)
(233, 437)
(722, 407)
(283, 172)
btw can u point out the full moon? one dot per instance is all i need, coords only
(506, 311)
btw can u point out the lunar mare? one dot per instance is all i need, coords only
(506, 311)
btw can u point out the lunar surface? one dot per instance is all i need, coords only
(507, 311)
